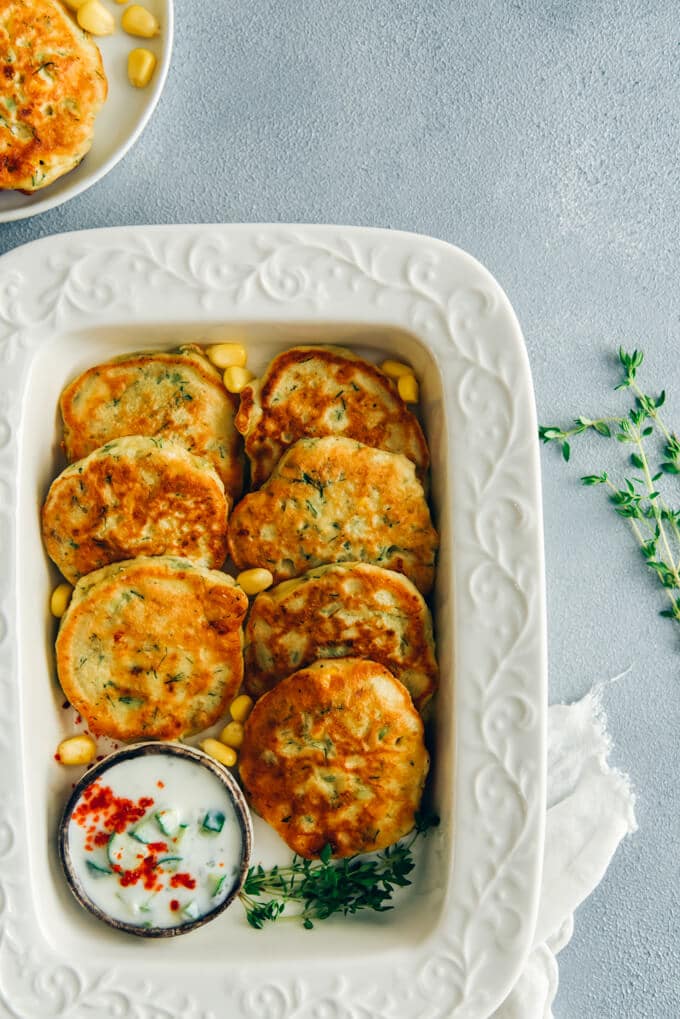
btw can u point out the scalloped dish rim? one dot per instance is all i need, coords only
(457, 940)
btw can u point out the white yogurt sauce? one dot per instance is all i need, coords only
(155, 841)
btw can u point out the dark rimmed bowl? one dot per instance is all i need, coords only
(161, 749)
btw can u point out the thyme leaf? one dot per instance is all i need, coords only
(654, 523)
(324, 887)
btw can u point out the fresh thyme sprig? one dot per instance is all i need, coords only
(638, 499)
(325, 887)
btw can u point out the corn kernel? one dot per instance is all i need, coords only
(77, 750)
(254, 581)
(137, 20)
(236, 379)
(408, 388)
(228, 355)
(95, 19)
(75, 4)
(61, 596)
(232, 735)
(241, 707)
(225, 755)
(121, 1)
(395, 369)
(140, 68)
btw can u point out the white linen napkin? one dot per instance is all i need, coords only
(591, 807)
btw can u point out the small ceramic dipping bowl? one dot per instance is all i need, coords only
(156, 839)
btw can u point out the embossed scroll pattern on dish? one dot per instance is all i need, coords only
(457, 311)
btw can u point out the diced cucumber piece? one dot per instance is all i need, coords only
(147, 831)
(124, 851)
(97, 870)
(181, 832)
(168, 822)
(191, 910)
(170, 863)
(214, 821)
(218, 883)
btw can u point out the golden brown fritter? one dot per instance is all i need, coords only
(176, 395)
(135, 496)
(336, 500)
(334, 754)
(152, 648)
(317, 391)
(52, 85)
(346, 609)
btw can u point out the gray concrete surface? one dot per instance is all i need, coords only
(543, 137)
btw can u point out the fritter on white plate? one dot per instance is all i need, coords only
(316, 391)
(334, 755)
(135, 496)
(52, 86)
(336, 500)
(346, 609)
(177, 396)
(152, 648)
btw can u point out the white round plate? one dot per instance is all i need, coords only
(121, 121)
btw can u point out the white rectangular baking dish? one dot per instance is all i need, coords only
(459, 936)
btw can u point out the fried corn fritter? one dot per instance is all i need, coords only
(334, 754)
(317, 391)
(346, 609)
(152, 648)
(336, 500)
(135, 496)
(52, 85)
(177, 396)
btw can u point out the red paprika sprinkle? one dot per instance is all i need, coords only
(174, 905)
(183, 881)
(145, 873)
(116, 812)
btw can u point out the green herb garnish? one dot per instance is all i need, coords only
(322, 887)
(638, 498)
